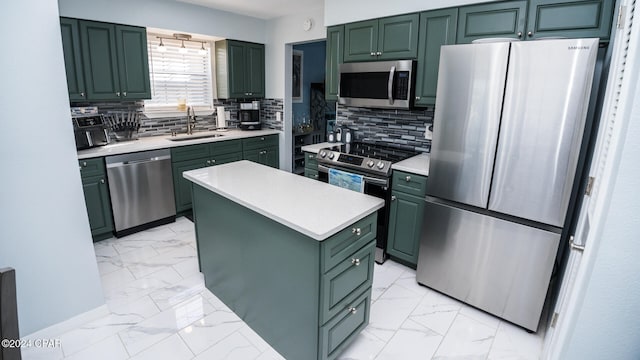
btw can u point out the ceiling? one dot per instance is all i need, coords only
(263, 9)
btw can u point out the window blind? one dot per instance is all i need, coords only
(176, 74)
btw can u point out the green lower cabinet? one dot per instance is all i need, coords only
(405, 224)
(266, 156)
(96, 197)
(182, 186)
(311, 165)
(226, 158)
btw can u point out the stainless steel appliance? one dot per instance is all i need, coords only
(509, 120)
(141, 188)
(90, 131)
(249, 116)
(378, 84)
(373, 162)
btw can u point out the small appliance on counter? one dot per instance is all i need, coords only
(249, 116)
(125, 125)
(90, 131)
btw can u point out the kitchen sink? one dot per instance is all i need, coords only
(194, 137)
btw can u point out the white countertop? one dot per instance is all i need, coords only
(314, 148)
(311, 207)
(418, 165)
(163, 142)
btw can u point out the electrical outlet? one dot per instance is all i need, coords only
(428, 132)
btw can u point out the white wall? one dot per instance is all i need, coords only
(608, 324)
(168, 14)
(44, 230)
(344, 11)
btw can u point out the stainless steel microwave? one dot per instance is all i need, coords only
(378, 84)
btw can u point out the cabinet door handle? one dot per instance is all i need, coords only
(379, 53)
(84, 164)
(208, 162)
(373, 54)
(530, 34)
(82, 94)
(408, 178)
(352, 310)
(355, 262)
(124, 94)
(262, 138)
(356, 231)
(519, 34)
(315, 176)
(393, 198)
(213, 161)
(417, 97)
(118, 93)
(101, 181)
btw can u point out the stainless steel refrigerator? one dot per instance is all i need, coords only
(508, 124)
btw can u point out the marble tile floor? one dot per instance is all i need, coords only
(160, 309)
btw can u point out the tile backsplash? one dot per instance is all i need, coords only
(165, 125)
(400, 128)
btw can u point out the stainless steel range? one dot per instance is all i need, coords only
(373, 162)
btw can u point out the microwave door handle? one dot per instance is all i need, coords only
(390, 84)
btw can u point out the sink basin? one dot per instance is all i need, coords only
(194, 137)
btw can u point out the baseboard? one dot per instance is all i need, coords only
(75, 322)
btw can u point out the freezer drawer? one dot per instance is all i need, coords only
(495, 265)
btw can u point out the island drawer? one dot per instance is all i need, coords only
(225, 147)
(340, 331)
(341, 285)
(345, 243)
(189, 152)
(259, 142)
(91, 167)
(409, 183)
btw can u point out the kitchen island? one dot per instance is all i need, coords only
(291, 256)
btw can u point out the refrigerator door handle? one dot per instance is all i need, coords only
(392, 73)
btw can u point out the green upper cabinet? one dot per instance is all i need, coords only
(100, 60)
(335, 49)
(504, 19)
(569, 18)
(437, 28)
(133, 62)
(114, 61)
(388, 38)
(239, 69)
(73, 58)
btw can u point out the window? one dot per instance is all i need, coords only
(179, 75)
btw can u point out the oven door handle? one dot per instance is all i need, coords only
(368, 179)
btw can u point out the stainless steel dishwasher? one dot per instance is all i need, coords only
(141, 188)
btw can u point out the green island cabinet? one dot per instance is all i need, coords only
(536, 19)
(437, 28)
(334, 57)
(190, 157)
(96, 197)
(387, 38)
(239, 69)
(311, 165)
(308, 299)
(405, 216)
(105, 61)
(262, 149)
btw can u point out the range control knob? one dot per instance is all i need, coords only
(380, 165)
(323, 153)
(331, 155)
(370, 163)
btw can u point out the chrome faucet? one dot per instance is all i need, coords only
(191, 120)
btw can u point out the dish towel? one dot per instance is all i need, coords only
(346, 180)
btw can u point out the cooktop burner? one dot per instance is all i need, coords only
(370, 158)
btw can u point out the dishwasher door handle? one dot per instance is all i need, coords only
(133, 162)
